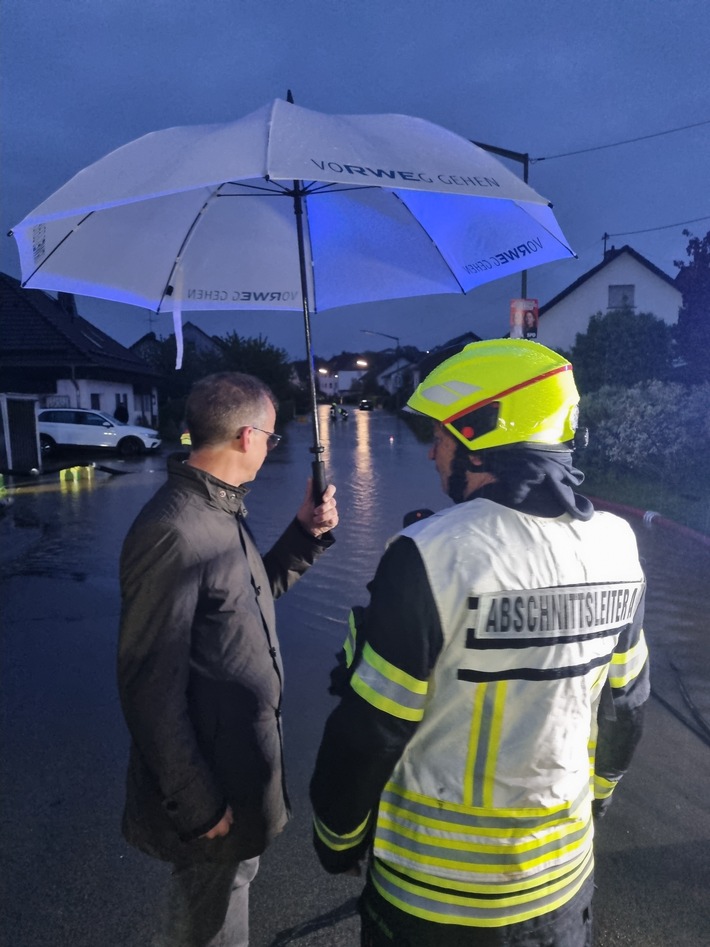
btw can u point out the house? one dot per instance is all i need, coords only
(396, 376)
(149, 348)
(48, 350)
(326, 381)
(341, 375)
(623, 279)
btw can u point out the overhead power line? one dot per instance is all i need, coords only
(681, 223)
(616, 144)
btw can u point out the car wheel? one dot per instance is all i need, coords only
(46, 444)
(130, 446)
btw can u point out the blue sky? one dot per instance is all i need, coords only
(80, 78)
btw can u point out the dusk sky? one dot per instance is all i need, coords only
(545, 78)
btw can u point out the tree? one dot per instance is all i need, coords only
(258, 357)
(252, 356)
(623, 348)
(692, 334)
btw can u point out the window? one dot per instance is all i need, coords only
(96, 401)
(621, 296)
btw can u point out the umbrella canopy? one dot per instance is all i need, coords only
(289, 209)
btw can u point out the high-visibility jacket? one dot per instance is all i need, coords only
(482, 677)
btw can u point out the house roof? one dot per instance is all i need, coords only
(38, 331)
(439, 354)
(609, 257)
(190, 333)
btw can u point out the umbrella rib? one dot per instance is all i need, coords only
(433, 242)
(283, 191)
(54, 249)
(332, 187)
(168, 291)
(546, 229)
(259, 188)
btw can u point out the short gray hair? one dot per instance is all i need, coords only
(219, 405)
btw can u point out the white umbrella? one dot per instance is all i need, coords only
(289, 209)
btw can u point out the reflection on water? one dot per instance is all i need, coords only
(69, 525)
(381, 472)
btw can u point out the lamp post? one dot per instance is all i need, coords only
(524, 159)
(385, 335)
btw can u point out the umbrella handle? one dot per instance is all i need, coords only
(319, 481)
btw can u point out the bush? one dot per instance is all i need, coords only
(622, 347)
(660, 431)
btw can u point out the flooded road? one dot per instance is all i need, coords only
(70, 880)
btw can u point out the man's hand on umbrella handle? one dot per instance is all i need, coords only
(318, 480)
(223, 826)
(321, 518)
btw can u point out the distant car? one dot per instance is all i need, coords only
(81, 427)
(366, 405)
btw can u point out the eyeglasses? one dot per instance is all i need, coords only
(272, 439)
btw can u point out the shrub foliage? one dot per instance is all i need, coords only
(660, 431)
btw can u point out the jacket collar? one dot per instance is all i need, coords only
(536, 482)
(224, 496)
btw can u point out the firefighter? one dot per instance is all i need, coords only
(495, 683)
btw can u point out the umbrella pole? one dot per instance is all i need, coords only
(319, 481)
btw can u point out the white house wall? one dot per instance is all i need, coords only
(78, 395)
(559, 325)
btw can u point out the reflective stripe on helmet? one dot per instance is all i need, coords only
(508, 391)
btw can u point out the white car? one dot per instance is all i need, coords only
(80, 427)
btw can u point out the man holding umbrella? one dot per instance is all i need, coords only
(199, 669)
(496, 680)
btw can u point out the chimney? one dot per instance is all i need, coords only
(68, 304)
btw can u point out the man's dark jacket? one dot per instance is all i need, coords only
(199, 670)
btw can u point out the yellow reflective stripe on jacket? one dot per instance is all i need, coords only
(484, 744)
(626, 667)
(603, 787)
(470, 842)
(437, 900)
(340, 843)
(466, 855)
(351, 641)
(451, 815)
(388, 688)
(491, 828)
(476, 886)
